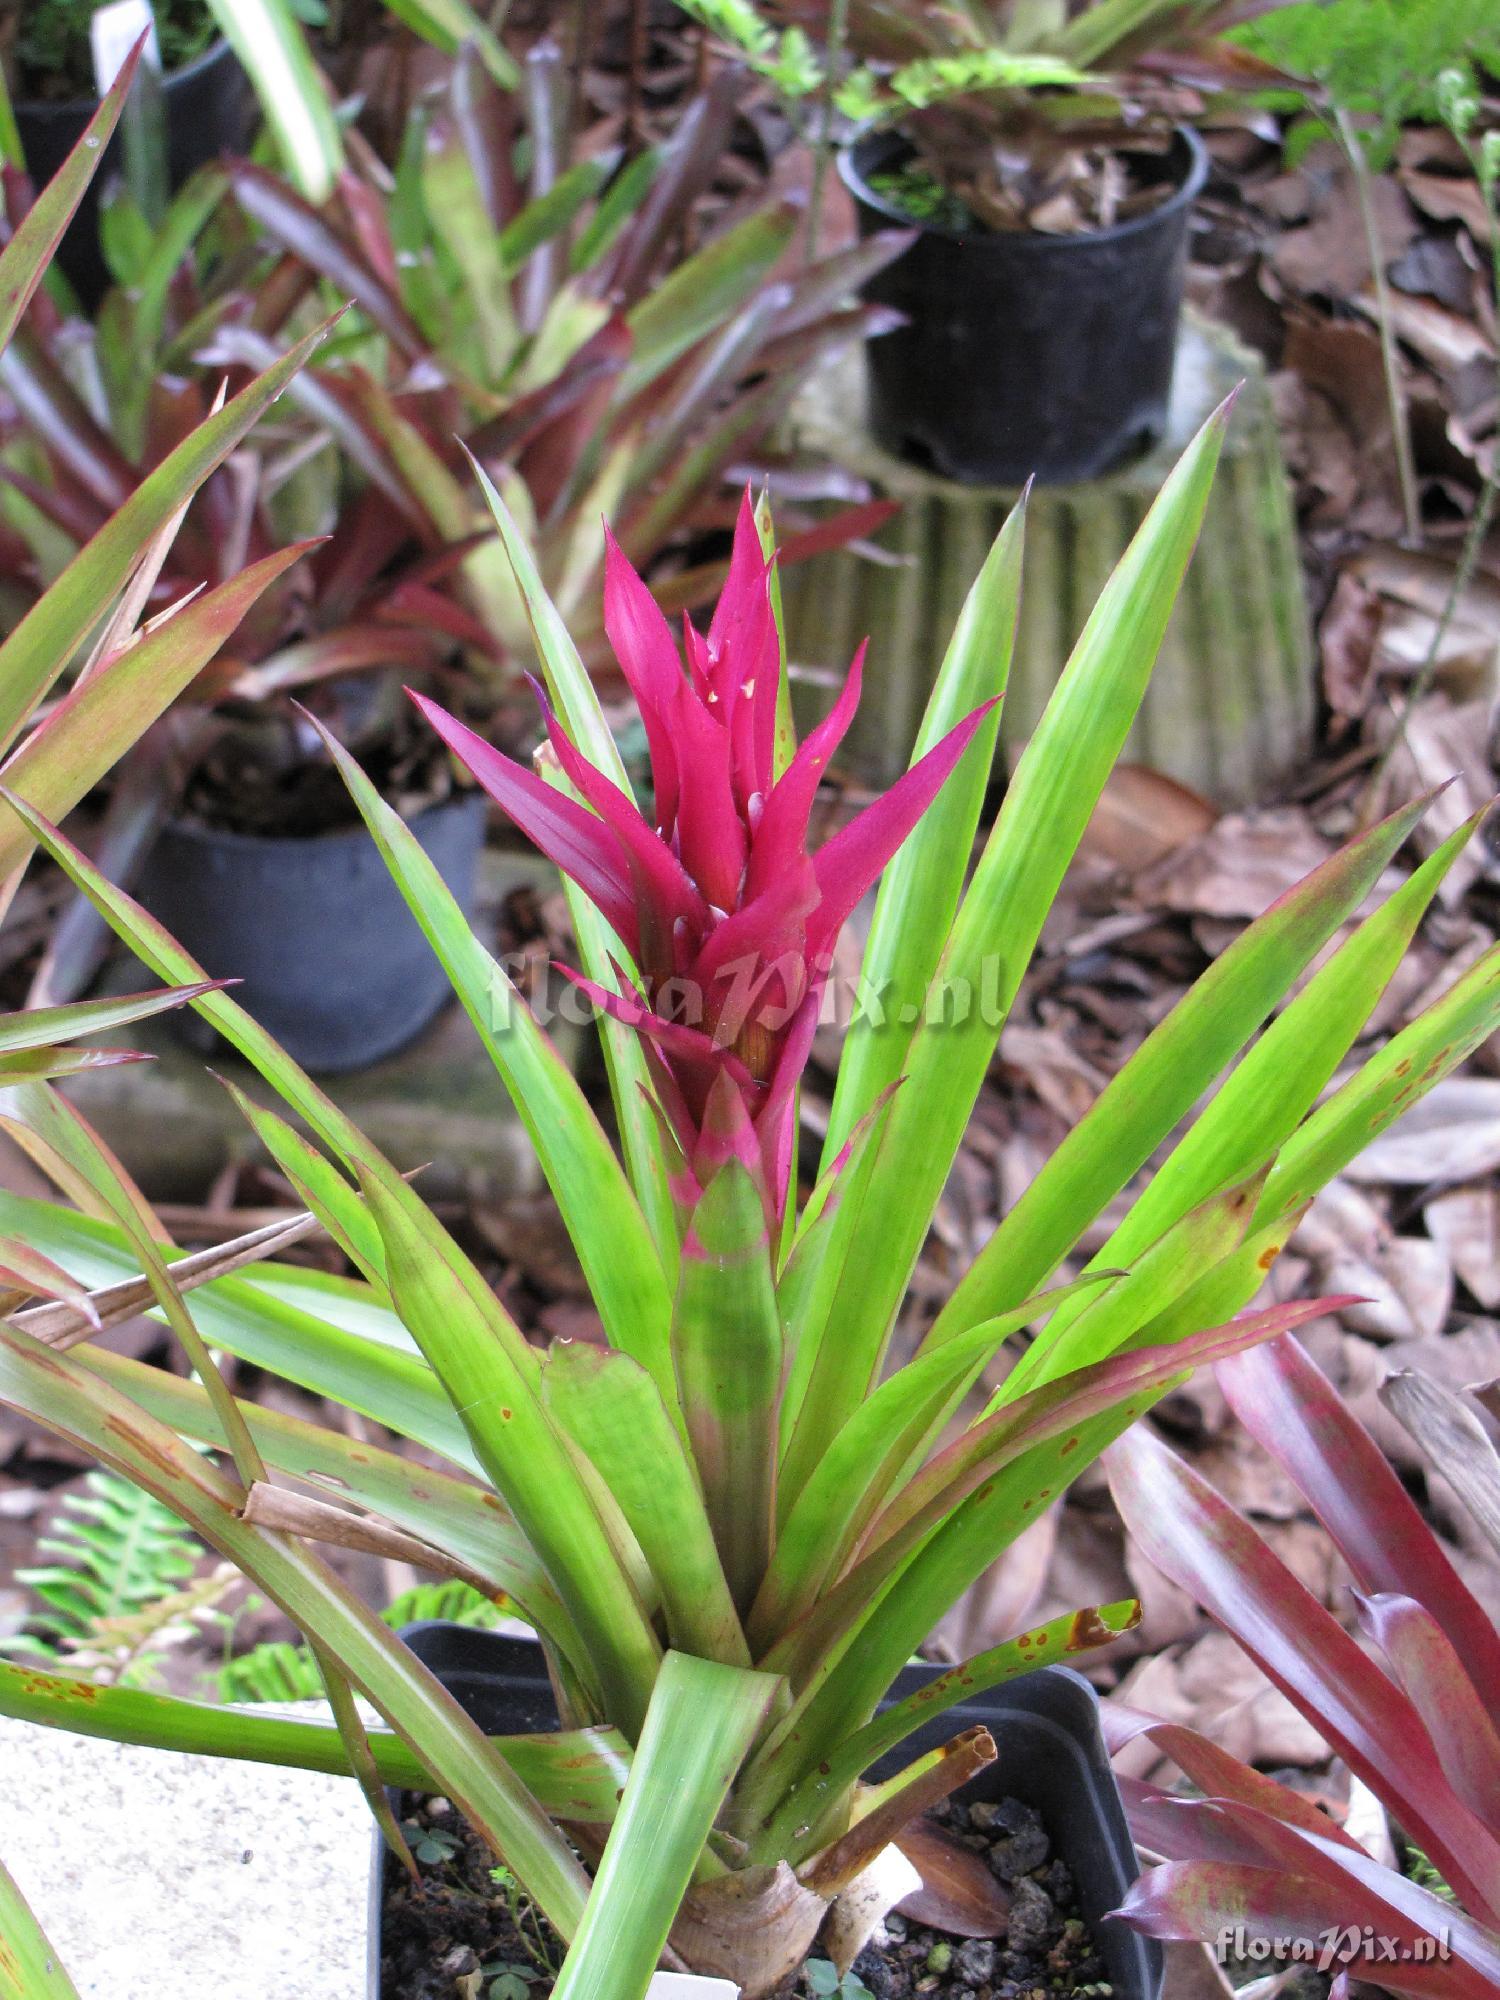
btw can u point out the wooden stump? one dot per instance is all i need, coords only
(1231, 704)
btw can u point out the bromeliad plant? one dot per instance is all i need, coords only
(1010, 109)
(556, 324)
(88, 631)
(550, 326)
(1414, 1712)
(732, 1524)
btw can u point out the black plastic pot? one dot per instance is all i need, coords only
(1046, 1725)
(1025, 353)
(209, 110)
(332, 961)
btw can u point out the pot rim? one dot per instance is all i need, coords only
(1139, 1958)
(50, 108)
(1026, 242)
(199, 834)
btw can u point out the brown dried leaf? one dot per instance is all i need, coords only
(1405, 1282)
(958, 1892)
(1466, 1222)
(1142, 816)
(1242, 865)
(1454, 1442)
(1442, 337)
(1448, 198)
(1327, 257)
(1346, 644)
(1452, 1134)
(1214, 1687)
(1417, 588)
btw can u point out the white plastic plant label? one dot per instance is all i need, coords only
(690, 1986)
(114, 31)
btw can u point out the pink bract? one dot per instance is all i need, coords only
(730, 920)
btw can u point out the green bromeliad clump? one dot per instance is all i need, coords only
(733, 1521)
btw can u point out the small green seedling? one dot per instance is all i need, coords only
(429, 1843)
(825, 1984)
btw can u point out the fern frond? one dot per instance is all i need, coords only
(119, 1552)
(127, 1650)
(274, 1671)
(279, 1671)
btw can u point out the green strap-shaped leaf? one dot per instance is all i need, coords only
(1107, 1322)
(573, 697)
(45, 640)
(40, 1026)
(457, 1517)
(1043, 1645)
(919, 892)
(268, 39)
(29, 1968)
(375, 1370)
(702, 293)
(1265, 1098)
(1272, 1089)
(31, 1065)
(55, 1391)
(703, 1718)
(842, 1659)
(322, 1187)
(728, 1347)
(604, 1219)
(1003, 1434)
(618, 204)
(456, 208)
(612, 1410)
(545, 218)
(1048, 804)
(88, 732)
(24, 261)
(1389, 1083)
(811, 1271)
(574, 1773)
(492, 1378)
(37, 1107)
(889, 1431)
(1166, 1075)
(448, 24)
(158, 949)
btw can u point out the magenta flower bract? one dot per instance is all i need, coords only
(730, 920)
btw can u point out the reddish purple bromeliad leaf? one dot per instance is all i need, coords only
(729, 918)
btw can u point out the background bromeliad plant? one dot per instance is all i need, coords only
(1414, 1712)
(731, 1525)
(548, 323)
(1020, 116)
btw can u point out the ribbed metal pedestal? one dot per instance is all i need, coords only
(1230, 707)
